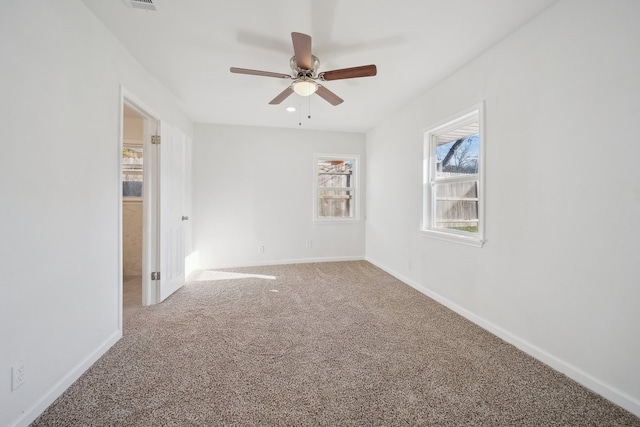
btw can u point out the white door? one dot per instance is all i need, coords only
(171, 192)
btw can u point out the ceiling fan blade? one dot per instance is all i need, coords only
(259, 73)
(350, 73)
(282, 96)
(329, 96)
(302, 50)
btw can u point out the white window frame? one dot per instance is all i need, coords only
(355, 158)
(431, 134)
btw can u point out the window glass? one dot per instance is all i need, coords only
(132, 162)
(458, 156)
(335, 187)
(457, 206)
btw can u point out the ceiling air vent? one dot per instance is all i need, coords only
(149, 5)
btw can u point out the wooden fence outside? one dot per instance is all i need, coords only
(456, 202)
(457, 205)
(335, 199)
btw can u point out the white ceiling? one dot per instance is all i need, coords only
(190, 44)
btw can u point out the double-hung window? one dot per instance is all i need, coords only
(336, 187)
(453, 193)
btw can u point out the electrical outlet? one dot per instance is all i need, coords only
(18, 375)
(261, 249)
(309, 244)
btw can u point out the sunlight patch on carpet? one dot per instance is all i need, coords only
(208, 275)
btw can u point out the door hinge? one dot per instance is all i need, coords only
(155, 275)
(155, 139)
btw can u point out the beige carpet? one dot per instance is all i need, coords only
(328, 344)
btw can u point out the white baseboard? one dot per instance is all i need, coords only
(49, 397)
(610, 393)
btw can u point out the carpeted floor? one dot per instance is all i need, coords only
(131, 296)
(327, 344)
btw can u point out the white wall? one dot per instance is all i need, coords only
(59, 194)
(253, 187)
(559, 273)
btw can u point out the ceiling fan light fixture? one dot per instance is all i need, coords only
(305, 87)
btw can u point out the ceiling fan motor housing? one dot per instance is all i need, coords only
(299, 72)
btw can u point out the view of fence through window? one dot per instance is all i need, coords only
(335, 188)
(456, 182)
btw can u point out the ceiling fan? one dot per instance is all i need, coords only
(305, 73)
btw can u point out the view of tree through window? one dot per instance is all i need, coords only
(458, 156)
(335, 188)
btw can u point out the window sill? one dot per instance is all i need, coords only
(455, 238)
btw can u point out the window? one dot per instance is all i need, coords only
(132, 171)
(335, 188)
(453, 179)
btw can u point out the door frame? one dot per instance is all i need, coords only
(150, 260)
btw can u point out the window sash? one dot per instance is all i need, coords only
(435, 181)
(455, 209)
(343, 202)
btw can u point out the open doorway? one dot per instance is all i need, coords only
(152, 228)
(139, 228)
